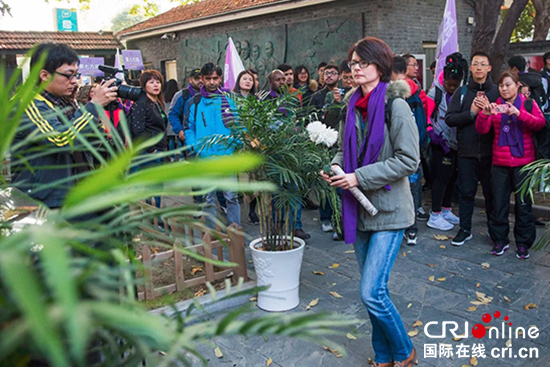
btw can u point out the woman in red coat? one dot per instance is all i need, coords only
(514, 119)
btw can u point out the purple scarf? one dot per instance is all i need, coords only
(372, 145)
(227, 116)
(282, 108)
(191, 90)
(511, 131)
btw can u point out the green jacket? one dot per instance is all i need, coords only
(398, 159)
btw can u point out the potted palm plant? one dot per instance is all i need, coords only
(294, 148)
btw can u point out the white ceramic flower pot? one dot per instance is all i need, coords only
(281, 271)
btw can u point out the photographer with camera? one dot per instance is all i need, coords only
(60, 71)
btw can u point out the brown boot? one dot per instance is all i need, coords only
(409, 362)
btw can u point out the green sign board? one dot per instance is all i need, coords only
(66, 20)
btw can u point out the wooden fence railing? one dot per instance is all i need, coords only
(233, 240)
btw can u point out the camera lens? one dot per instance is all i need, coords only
(128, 92)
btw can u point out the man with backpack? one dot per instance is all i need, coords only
(177, 106)
(474, 150)
(538, 85)
(210, 112)
(420, 107)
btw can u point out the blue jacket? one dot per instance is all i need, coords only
(177, 106)
(205, 122)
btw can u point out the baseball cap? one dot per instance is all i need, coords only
(195, 73)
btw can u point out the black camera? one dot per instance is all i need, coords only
(124, 91)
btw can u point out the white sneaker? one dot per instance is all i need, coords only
(326, 227)
(438, 222)
(449, 216)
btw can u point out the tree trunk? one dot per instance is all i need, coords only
(541, 19)
(502, 39)
(486, 18)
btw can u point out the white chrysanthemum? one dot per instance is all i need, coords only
(321, 134)
(314, 129)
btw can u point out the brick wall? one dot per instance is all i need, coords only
(404, 25)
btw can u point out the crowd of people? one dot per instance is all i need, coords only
(394, 137)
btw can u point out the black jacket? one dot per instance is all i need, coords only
(32, 171)
(147, 120)
(470, 143)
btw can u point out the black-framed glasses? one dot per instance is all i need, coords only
(69, 76)
(363, 64)
(329, 73)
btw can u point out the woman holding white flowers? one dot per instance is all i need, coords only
(378, 150)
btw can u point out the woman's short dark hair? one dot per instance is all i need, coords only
(507, 74)
(377, 52)
(152, 74)
(237, 88)
(170, 90)
(297, 70)
(58, 54)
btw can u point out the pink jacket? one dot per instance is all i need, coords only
(533, 121)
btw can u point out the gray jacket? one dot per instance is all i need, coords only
(398, 159)
(439, 125)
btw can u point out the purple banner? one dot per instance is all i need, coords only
(447, 42)
(132, 59)
(89, 66)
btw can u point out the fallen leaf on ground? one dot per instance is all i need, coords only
(333, 351)
(252, 299)
(473, 361)
(471, 309)
(196, 270)
(417, 323)
(349, 252)
(409, 305)
(269, 361)
(432, 278)
(335, 294)
(404, 254)
(334, 266)
(529, 306)
(485, 265)
(460, 337)
(478, 285)
(442, 246)
(520, 332)
(413, 333)
(218, 352)
(500, 287)
(312, 303)
(482, 299)
(431, 265)
(507, 299)
(250, 261)
(482, 212)
(440, 237)
(318, 272)
(333, 283)
(350, 336)
(508, 343)
(441, 279)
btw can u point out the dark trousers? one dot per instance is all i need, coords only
(507, 180)
(415, 182)
(470, 172)
(444, 176)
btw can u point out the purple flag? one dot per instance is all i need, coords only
(447, 41)
(233, 66)
(89, 66)
(132, 59)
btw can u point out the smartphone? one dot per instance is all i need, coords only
(501, 108)
(480, 93)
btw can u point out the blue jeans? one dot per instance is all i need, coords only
(233, 208)
(174, 143)
(376, 253)
(156, 162)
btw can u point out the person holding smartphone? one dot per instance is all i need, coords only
(474, 150)
(514, 122)
(379, 164)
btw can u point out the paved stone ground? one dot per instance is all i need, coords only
(416, 297)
